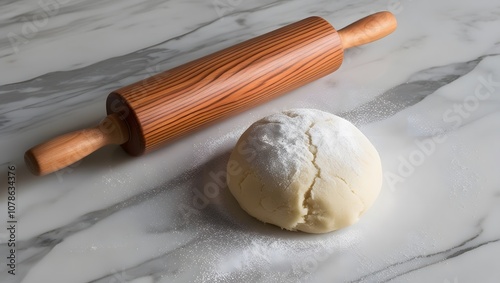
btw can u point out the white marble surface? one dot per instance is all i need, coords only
(428, 97)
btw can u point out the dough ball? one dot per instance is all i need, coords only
(304, 170)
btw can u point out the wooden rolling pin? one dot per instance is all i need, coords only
(147, 114)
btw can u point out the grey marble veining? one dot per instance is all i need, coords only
(416, 88)
(427, 96)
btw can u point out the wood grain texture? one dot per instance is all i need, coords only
(368, 29)
(152, 112)
(180, 100)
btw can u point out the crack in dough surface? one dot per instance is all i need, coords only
(312, 171)
(307, 195)
(353, 192)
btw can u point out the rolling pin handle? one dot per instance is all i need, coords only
(368, 29)
(213, 87)
(67, 149)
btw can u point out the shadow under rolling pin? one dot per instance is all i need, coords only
(145, 115)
